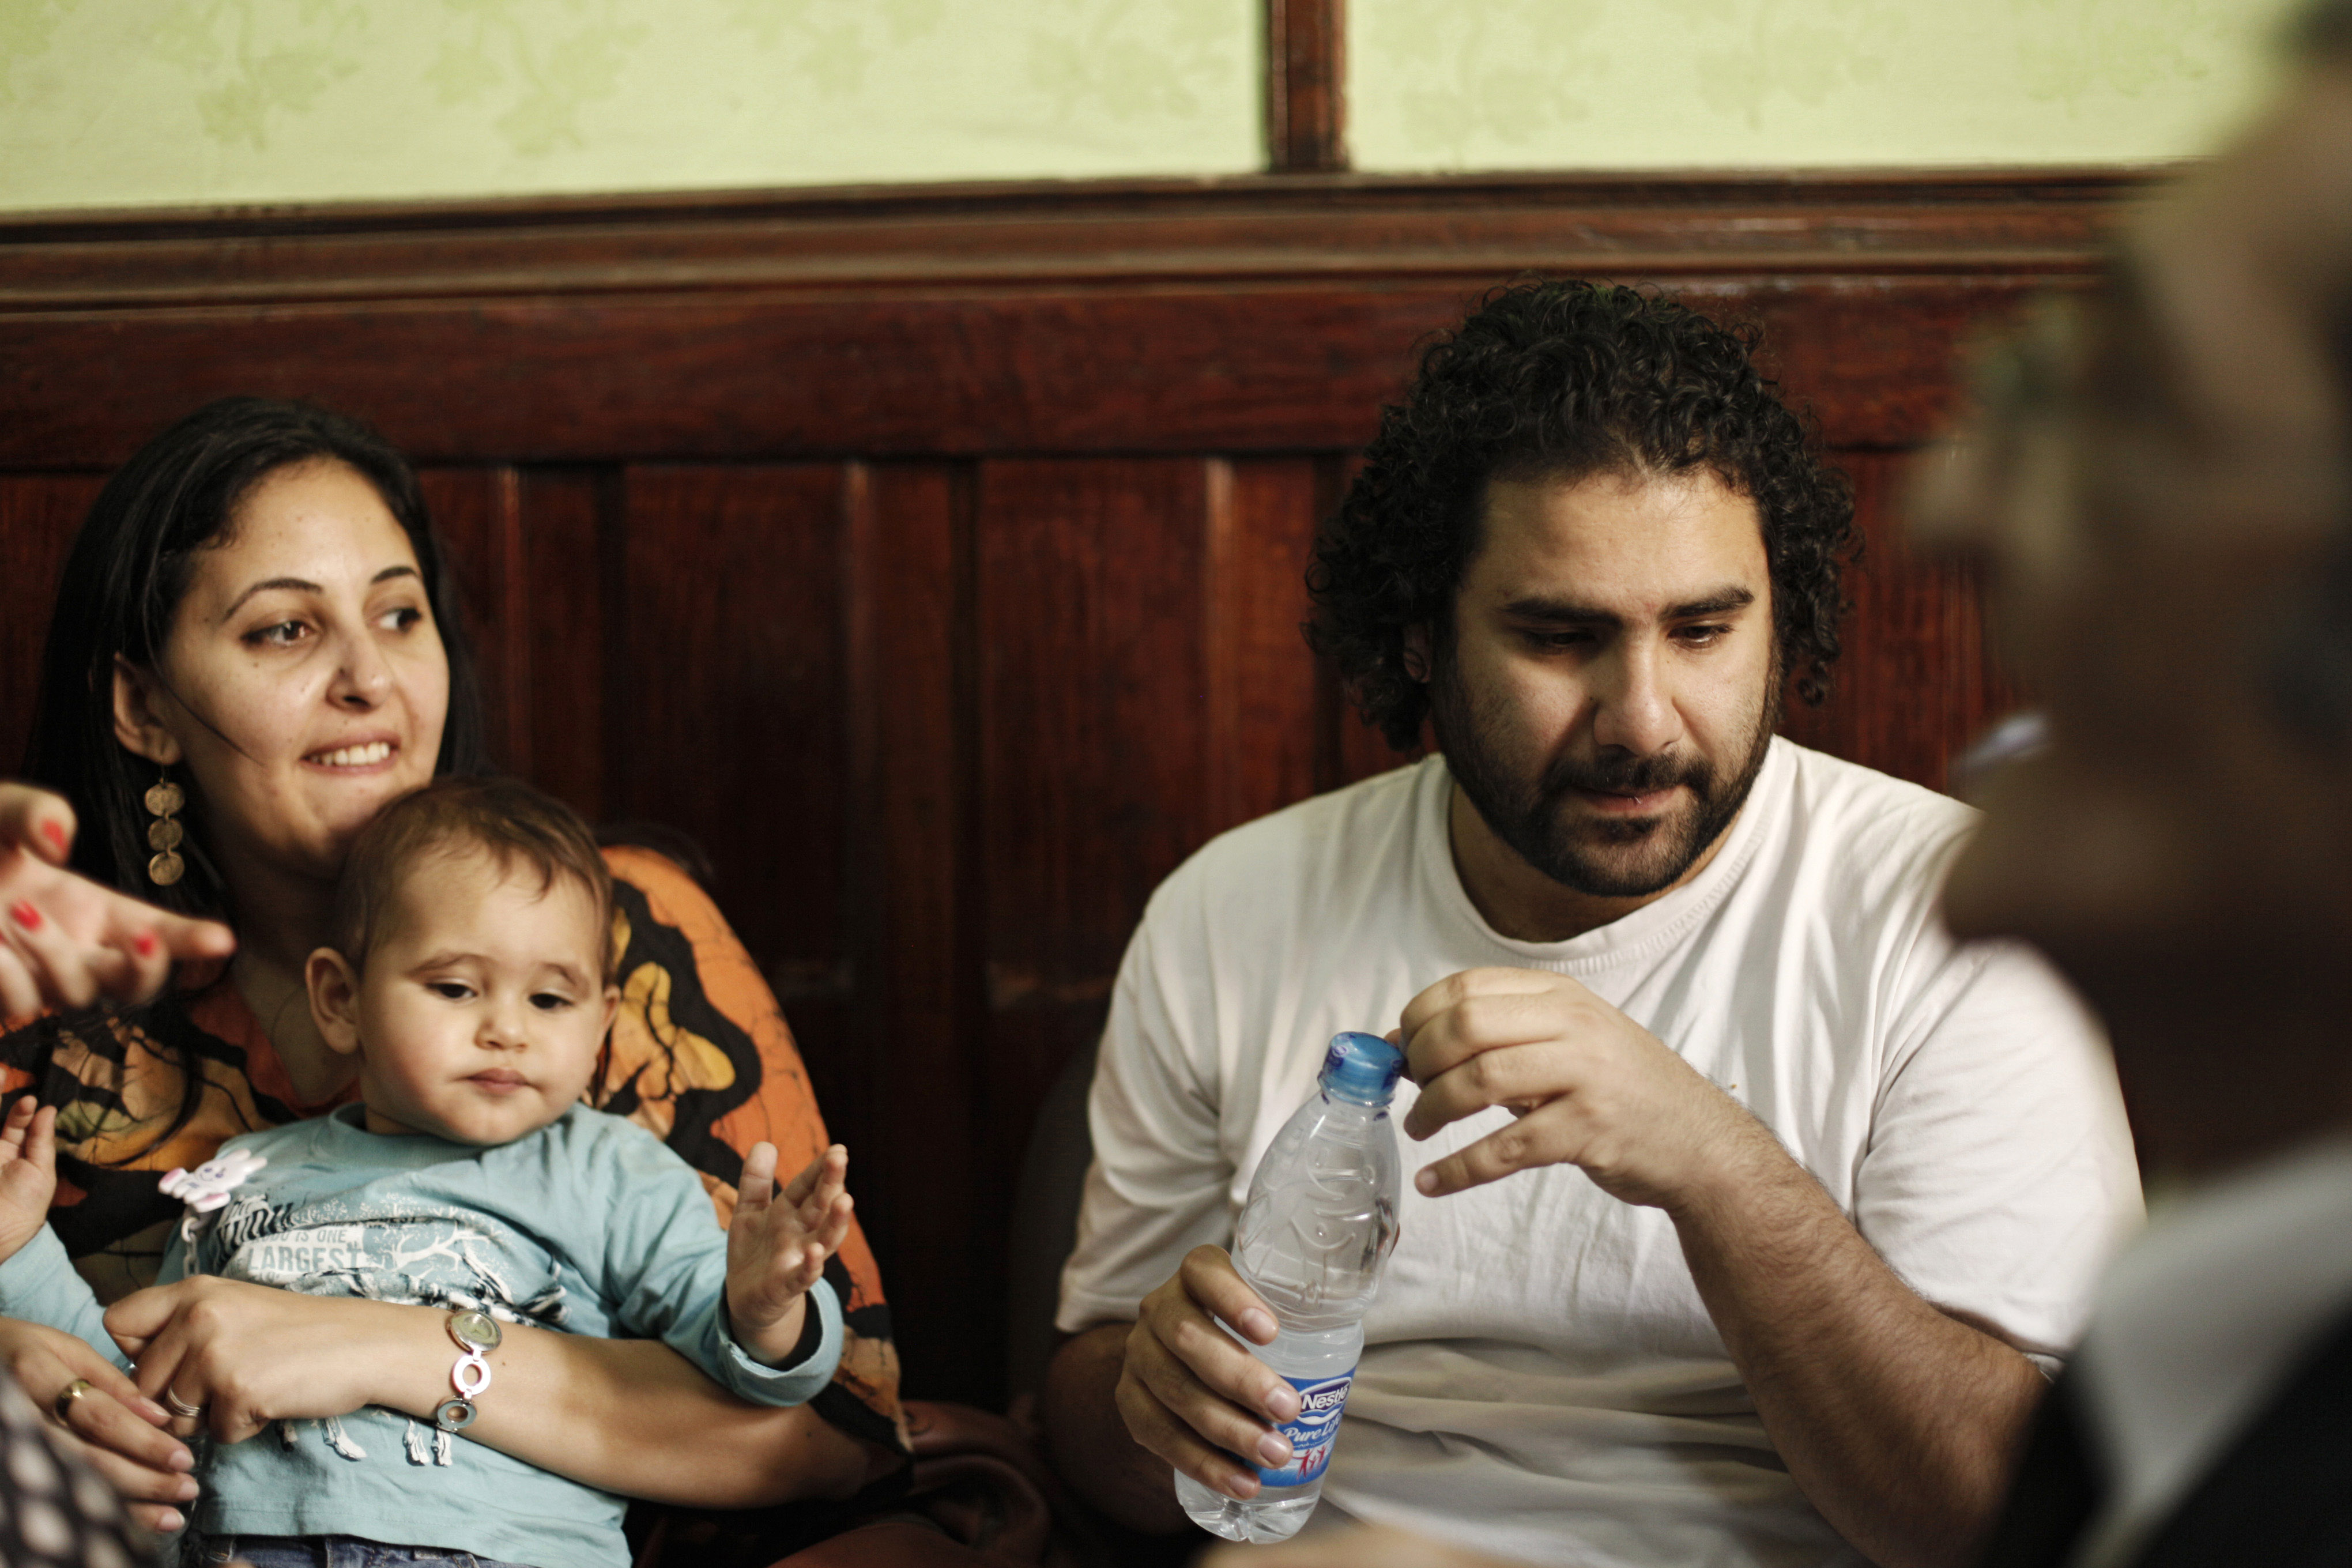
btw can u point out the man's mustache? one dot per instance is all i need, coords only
(1615, 771)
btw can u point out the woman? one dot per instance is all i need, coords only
(254, 649)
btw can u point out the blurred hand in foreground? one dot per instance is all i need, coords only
(65, 940)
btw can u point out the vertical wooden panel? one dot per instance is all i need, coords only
(39, 514)
(909, 608)
(726, 720)
(1915, 680)
(1261, 677)
(561, 732)
(478, 512)
(1092, 710)
(1092, 705)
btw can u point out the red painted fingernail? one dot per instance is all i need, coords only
(55, 832)
(145, 942)
(26, 915)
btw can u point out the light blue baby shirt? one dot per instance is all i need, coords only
(589, 1225)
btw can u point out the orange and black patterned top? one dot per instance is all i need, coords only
(699, 1055)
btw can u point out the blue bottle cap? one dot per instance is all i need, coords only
(1361, 1069)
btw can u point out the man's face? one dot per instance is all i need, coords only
(1608, 693)
(2153, 499)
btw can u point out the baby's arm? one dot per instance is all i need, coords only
(29, 1171)
(666, 1272)
(777, 1247)
(37, 1282)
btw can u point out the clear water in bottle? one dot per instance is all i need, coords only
(1318, 1224)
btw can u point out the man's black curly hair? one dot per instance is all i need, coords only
(1567, 379)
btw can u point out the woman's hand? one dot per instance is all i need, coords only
(251, 1354)
(117, 1428)
(627, 1415)
(65, 941)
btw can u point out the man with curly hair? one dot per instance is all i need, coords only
(1760, 1208)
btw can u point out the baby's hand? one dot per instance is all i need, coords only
(29, 1171)
(777, 1246)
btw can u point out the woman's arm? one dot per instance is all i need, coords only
(627, 1416)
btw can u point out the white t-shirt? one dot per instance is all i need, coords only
(1540, 1378)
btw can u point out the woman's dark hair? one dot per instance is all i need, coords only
(130, 565)
(1563, 380)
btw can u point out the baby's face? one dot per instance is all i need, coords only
(482, 1008)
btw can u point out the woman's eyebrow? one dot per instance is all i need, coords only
(299, 584)
(304, 585)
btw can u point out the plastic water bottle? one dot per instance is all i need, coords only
(1320, 1222)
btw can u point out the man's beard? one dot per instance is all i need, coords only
(1537, 818)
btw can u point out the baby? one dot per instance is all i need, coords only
(471, 976)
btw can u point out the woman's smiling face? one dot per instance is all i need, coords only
(303, 683)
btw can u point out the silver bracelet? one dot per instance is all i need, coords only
(474, 1332)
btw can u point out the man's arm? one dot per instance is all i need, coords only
(1089, 1442)
(1896, 1420)
(1125, 1405)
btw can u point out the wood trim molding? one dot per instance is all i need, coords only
(1267, 313)
(1306, 86)
(1123, 233)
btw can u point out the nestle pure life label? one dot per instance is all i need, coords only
(1320, 1400)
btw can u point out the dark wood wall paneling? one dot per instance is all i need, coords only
(933, 558)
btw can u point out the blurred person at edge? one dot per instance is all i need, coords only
(259, 610)
(1805, 1197)
(2159, 484)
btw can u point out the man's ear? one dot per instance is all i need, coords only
(1416, 651)
(143, 734)
(334, 999)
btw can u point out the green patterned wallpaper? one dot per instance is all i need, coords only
(129, 103)
(119, 102)
(1490, 84)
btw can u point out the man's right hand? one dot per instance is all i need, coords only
(118, 1431)
(1192, 1397)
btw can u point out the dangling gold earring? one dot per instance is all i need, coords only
(164, 834)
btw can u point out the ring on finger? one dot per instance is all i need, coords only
(181, 1407)
(66, 1398)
